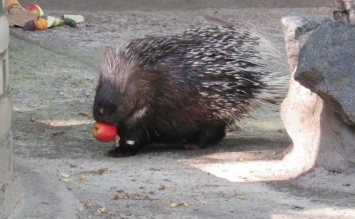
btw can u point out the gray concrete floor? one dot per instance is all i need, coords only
(53, 79)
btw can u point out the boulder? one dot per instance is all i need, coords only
(326, 66)
(320, 136)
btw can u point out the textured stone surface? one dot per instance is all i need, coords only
(344, 10)
(9, 185)
(327, 66)
(319, 135)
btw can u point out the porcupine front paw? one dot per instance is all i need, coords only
(127, 148)
(118, 152)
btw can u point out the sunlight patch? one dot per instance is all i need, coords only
(60, 123)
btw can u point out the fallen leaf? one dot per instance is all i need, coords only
(126, 195)
(241, 197)
(64, 175)
(115, 197)
(57, 132)
(98, 172)
(82, 177)
(103, 210)
(90, 204)
(163, 187)
(174, 205)
(84, 113)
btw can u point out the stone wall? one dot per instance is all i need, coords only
(9, 185)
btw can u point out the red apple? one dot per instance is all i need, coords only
(35, 9)
(104, 132)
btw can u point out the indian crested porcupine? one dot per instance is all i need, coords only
(183, 88)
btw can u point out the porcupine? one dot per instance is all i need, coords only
(183, 88)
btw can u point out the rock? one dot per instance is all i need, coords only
(326, 66)
(320, 137)
(344, 10)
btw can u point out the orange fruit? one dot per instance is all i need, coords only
(41, 24)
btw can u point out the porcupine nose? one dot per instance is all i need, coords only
(98, 114)
(105, 114)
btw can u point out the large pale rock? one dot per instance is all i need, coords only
(320, 136)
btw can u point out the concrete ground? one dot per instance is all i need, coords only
(65, 173)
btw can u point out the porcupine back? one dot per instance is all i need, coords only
(238, 70)
(226, 70)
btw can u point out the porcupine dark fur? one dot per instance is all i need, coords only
(183, 88)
